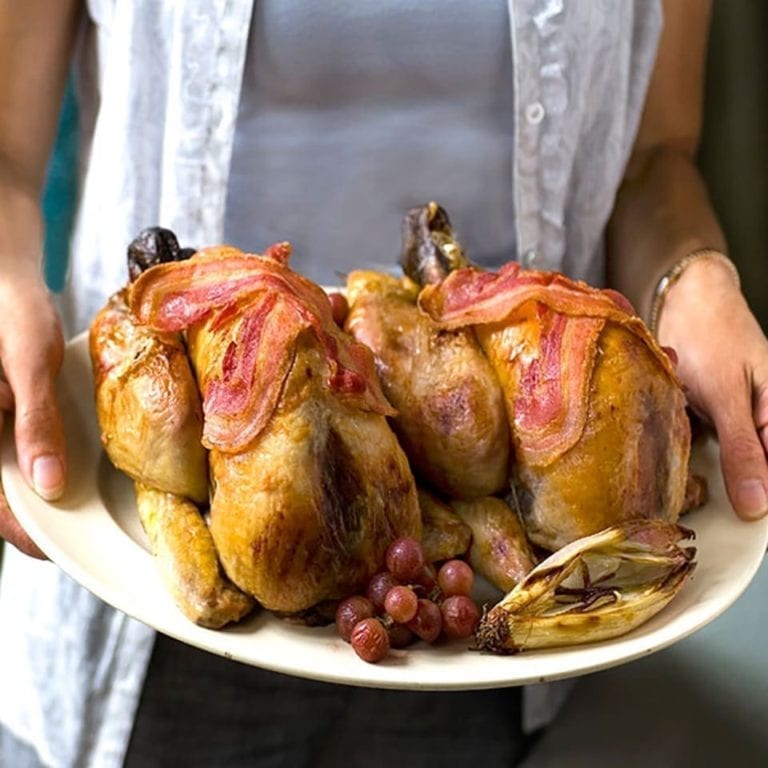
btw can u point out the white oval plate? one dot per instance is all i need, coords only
(93, 534)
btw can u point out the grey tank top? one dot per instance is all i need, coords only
(348, 119)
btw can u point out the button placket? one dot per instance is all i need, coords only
(529, 111)
(213, 41)
(535, 112)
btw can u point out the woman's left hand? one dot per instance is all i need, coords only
(723, 363)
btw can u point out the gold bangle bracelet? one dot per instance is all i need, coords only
(674, 273)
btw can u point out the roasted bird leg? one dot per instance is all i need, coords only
(185, 553)
(445, 535)
(500, 550)
(430, 251)
(148, 406)
(450, 408)
(150, 419)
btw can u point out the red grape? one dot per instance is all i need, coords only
(455, 577)
(408, 601)
(400, 636)
(428, 621)
(405, 559)
(349, 612)
(370, 640)
(378, 587)
(460, 616)
(401, 604)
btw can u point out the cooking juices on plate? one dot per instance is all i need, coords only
(284, 450)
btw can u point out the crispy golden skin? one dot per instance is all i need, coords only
(150, 419)
(186, 556)
(451, 419)
(500, 550)
(632, 458)
(147, 403)
(305, 512)
(445, 535)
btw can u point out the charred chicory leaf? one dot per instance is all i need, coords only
(595, 588)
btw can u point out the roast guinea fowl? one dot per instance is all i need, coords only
(596, 412)
(449, 404)
(308, 484)
(591, 431)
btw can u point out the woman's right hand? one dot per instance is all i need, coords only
(31, 352)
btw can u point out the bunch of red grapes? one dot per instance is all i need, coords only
(410, 600)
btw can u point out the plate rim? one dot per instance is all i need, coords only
(329, 659)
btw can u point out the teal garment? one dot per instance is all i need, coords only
(60, 195)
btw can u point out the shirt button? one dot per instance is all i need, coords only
(529, 257)
(534, 112)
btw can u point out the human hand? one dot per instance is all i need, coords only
(723, 363)
(31, 352)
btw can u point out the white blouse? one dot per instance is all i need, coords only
(165, 128)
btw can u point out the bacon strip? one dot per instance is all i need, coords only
(262, 306)
(473, 297)
(551, 400)
(469, 296)
(239, 400)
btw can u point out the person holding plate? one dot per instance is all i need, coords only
(562, 135)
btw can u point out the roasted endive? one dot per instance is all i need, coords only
(595, 588)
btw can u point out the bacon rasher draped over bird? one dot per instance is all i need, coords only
(262, 306)
(553, 390)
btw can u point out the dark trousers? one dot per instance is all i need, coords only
(198, 709)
